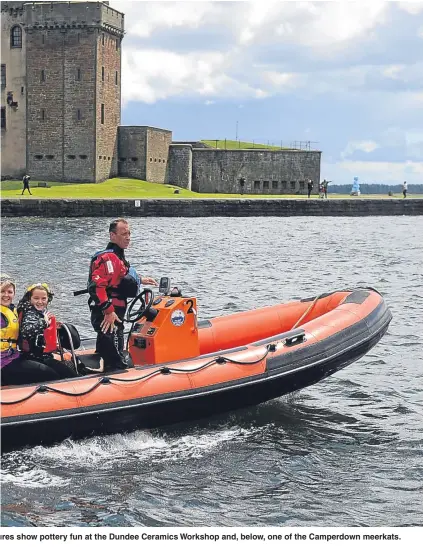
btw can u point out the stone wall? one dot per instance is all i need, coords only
(46, 65)
(108, 105)
(59, 208)
(158, 142)
(179, 170)
(143, 152)
(132, 151)
(264, 171)
(13, 136)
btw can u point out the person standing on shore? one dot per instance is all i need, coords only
(309, 187)
(325, 187)
(25, 182)
(404, 189)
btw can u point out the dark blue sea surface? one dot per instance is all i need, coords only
(345, 452)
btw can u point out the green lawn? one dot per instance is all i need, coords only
(112, 188)
(235, 145)
(132, 188)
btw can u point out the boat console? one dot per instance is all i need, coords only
(164, 327)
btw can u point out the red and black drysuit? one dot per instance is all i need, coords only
(109, 287)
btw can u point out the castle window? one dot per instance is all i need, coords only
(116, 78)
(3, 117)
(256, 185)
(102, 39)
(22, 90)
(43, 114)
(43, 39)
(3, 75)
(78, 74)
(78, 114)
(16, 36)
(102, 73)
(99, 157)
(274, 184)
(43, 76)
(71, 157)
(38, 156)
(83, 156)
(108, 158)
(117, 44)
(102, 113)
(134, 159)
(49, 157)
(265, 185)
(155, 160)
(151, 159)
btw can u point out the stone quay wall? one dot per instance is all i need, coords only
(59, 208)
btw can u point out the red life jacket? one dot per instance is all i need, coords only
(50, 336)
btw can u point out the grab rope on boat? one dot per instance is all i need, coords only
(310, 308)
(220, 360)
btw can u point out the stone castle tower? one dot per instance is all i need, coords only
(61, 98)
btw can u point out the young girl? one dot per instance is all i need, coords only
(37, 330)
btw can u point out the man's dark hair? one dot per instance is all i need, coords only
(114, 223)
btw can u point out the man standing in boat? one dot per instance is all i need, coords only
(111, 281)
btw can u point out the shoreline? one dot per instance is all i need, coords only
(206, 207)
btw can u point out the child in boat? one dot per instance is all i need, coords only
(9, 321)
(37, 330)
(17, 368)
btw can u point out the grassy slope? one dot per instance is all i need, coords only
(234, 145)
(131, 188)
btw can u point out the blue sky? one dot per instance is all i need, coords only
(345, 75)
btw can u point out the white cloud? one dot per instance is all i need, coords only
(414, 143)
(392, 71)
(364, 146)
(281, 80)
(143, 18)
(165, 74)
(337, 22)
(414, 7)
(325, 28)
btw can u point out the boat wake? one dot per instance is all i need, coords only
(37, 466)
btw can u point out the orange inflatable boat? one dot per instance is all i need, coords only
(186, 369)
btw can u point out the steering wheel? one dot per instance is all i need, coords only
(132, 316)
